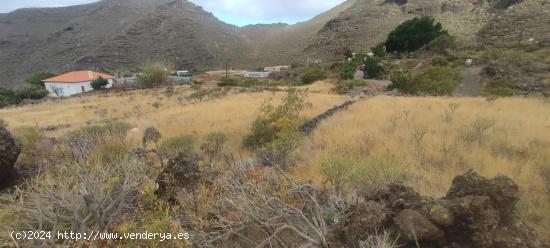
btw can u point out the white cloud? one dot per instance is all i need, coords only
(238, 12)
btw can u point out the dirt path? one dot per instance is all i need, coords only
(471, 81)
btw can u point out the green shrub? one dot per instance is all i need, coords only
(272, 120)
(436, 81)
(379, 50)
(33, 92)
(251, 82)
(182, 144)
(99, 83)
(374, 67)
(500, 87)
(442, 43)
(37, 78)
(371, 173)
(347, 71)
(279, 150)
(313, 74)
(229, 81)
(345, 86)
(400, 80)
(440, 61)
(8, 97)
(152, 74)
(413, 34)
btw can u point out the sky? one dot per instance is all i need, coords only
(237, 12)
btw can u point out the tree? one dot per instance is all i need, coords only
(37, 78)
(413, 34)
(373, 67)
(153, 74)
(99, 83)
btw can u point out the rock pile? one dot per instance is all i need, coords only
(476, 212)
(9, 152)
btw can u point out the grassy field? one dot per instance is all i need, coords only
(172, 114)
(426, 142)
(423, 141)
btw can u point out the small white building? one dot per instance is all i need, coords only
(256, 74)
(276, 68)
(73, 83)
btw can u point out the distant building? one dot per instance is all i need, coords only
(73, 83)
(276, 68)
(182, 77)
(256, 74)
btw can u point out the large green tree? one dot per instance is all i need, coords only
(413, 34)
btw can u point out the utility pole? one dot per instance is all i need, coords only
(226, 68)
(520, 37)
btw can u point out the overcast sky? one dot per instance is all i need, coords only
(238, 12)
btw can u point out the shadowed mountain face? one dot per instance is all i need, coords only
(121, 34)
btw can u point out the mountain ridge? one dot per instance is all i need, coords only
(121, 34)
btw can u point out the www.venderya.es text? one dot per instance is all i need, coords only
(96, 236)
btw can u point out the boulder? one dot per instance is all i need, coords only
(416, 227)
(181, 173)
(476, 212)
(9, 152)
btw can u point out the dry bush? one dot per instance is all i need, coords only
(78, 197)
(337, 170)
(477, 130)
(172, 147)
(151, 135)
(213, 144)
(3, 123)
(275, 212)
(28, 138)
(365, 173)
(80, 142)
(383, 240)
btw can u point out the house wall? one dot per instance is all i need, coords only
(249, 74)
(69, 89)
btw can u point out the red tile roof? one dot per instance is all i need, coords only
(78, 76)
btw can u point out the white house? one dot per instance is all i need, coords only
(256, 74)
(73, 83)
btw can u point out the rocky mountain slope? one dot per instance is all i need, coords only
(474, 22)
(120, 34)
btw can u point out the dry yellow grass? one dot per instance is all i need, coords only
(515, 146)
(232, 114)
